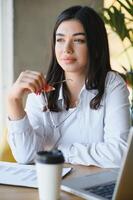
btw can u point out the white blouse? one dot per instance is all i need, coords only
(85, 136)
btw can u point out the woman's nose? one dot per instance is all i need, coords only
(68, 48)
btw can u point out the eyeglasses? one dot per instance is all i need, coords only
(62, 81)
(54, 125)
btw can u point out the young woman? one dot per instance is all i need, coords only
(86, 112)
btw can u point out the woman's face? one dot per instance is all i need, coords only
(71, 47)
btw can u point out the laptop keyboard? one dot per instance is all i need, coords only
(105, 190)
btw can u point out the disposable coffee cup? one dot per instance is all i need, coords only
(49, 166)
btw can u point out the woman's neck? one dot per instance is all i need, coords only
(75, 85)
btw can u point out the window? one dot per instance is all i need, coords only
(6, 56)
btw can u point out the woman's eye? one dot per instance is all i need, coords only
(80, 40)
(59, 40)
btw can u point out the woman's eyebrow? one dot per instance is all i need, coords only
(75, 34)
(81, 33)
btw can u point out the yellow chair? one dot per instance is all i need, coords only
(5, 151)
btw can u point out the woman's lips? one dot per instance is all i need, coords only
(69, 60)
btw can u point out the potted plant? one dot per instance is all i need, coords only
(119, 18)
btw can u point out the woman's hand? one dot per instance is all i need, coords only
(27, 82)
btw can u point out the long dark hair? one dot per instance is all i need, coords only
(98, 56)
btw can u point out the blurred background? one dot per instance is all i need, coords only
(26, 28)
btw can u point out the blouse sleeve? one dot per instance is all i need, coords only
(27, 136)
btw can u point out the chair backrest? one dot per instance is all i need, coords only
(5, 151)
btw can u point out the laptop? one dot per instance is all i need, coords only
(106, 185)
